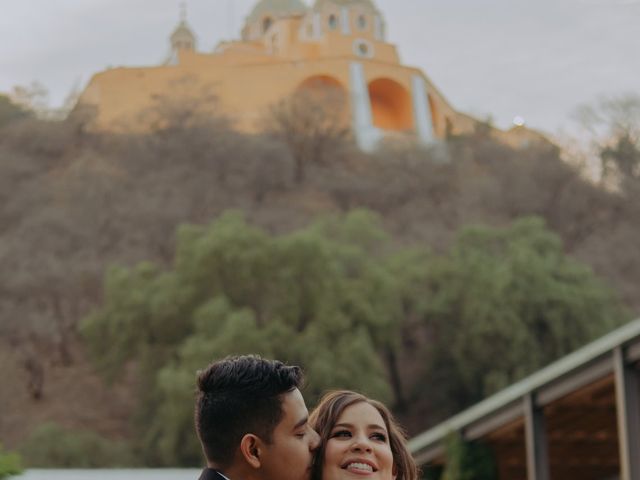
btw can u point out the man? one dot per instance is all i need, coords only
(252, 421)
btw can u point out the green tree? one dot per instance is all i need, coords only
(10, 464)
(503, 303)
(468, 460)
(614, 126)
(51, 446)
(337, 299)
(316, 297)
(622, 155)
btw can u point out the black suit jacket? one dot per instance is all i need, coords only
(209, 474)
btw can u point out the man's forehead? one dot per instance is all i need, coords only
(293, 395)
(294, 408)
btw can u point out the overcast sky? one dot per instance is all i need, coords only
(537, 59)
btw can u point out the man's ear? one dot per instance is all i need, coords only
(251, 450)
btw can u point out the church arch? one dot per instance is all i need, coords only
(266, 24)
(333, 22)
(391, 105)
(327, 91)
(362, 22)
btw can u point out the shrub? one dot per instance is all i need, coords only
(468, 461)
(9, 464)
(53, 446)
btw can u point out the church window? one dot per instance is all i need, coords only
(362, 22)
(266, 24)
(333, 22)
(362, 48)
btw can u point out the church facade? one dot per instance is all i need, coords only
(287, 45)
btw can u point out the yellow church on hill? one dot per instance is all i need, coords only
(287, 45)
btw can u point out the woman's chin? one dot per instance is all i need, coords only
(346, 474)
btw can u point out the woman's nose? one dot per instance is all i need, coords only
(361, 445)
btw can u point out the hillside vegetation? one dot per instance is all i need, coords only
(428, 278)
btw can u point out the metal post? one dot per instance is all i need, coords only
(628, 410)
(536, 441)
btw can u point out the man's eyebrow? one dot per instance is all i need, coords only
(301, 422)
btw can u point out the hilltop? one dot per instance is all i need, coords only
(75, 201)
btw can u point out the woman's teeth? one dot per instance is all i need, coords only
(363, 467)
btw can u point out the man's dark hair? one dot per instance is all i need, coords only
(240, 395)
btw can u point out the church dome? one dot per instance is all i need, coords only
(277, 8)
(183, 37)
(183, 33)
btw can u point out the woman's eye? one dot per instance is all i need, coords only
(301, 434)
(381, 437)
(341, 433)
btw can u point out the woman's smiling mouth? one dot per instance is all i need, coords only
(359, 466)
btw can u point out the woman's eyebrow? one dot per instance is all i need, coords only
(373, 426)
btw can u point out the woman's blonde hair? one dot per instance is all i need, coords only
(329, 410)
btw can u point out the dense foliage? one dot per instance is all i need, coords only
(51, 445)
(504, 302)
(9, 464)
(317, 297)
(333, 297)
(467, 461)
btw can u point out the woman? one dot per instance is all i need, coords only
(359, 439)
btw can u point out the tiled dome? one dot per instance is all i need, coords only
(366, 4)
(276, 7)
